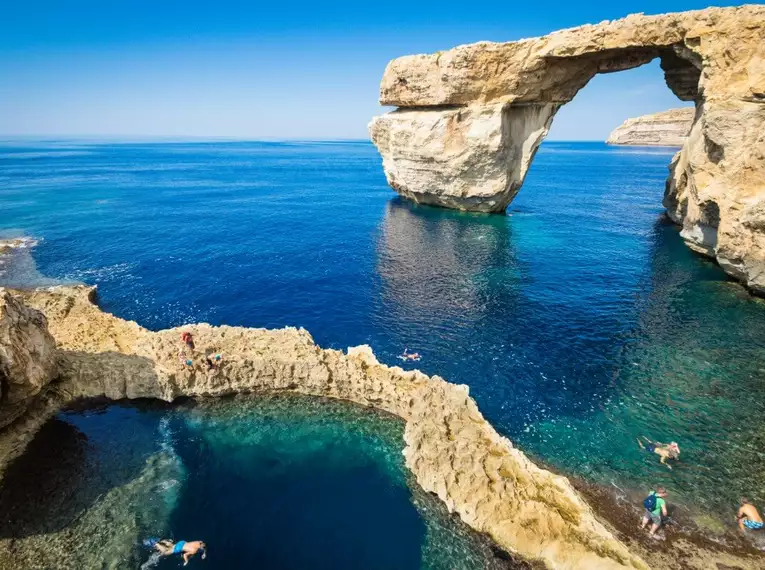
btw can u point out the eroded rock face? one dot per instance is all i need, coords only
(450, 447)
(27, 356)
(668, 128)
(470, 119)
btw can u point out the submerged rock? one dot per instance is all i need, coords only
(450, 448)
(668, 128)
(470, 119)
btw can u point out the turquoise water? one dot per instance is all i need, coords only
(275, 482)
(580, 320)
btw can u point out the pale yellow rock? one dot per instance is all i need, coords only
(451, 449)
(27, 357)
(471, 118)
(667, 128)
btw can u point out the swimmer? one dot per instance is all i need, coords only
(663, 450)
(410, 355)
(187, 550)
(748, 517)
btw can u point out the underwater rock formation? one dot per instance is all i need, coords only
(470, 119)
(667, 128)
(451, 449)
(27, 357)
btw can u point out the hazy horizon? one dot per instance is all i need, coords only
(145, 70)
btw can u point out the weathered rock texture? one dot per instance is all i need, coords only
(450, 447)
(27, 357)
(470, 119)
(668, 128)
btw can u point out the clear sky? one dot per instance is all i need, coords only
(284, 69)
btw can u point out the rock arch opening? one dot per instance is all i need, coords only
(469, 120)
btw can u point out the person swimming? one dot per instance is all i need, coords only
(663, 450)
(410, 355)
(187, 550)
(748, 517)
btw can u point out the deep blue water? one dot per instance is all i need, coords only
(272, 483)
(579, 320)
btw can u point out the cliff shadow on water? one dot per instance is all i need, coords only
(271, 481)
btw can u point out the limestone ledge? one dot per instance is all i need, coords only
(451, 449)
(667, 128)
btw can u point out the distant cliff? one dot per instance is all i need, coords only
(668, 128)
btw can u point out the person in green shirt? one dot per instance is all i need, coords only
(655, 514)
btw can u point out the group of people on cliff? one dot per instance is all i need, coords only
(186, 353)
(747, 517)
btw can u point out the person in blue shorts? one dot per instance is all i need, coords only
(748, 517)
(187, 550)
(663, 450)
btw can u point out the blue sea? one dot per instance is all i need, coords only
(579, 320)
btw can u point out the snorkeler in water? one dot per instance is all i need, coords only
(410, 355)
(663, 450)
(187, 550)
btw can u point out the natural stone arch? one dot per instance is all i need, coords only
(469, 120)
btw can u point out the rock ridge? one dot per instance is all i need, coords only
(469, 120)
(450, 448)
(666, 128)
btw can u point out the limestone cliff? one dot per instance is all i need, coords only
(668, 128)
(470, 119)
(450, 447)
(27, 357)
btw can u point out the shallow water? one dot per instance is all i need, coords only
(275, 482)
(580, 321)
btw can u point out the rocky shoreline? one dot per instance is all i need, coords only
(667, 128)
(450, 448)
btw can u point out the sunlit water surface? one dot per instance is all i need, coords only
(580, 321)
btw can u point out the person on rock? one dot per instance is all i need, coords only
(748, 517)
(212, 361)
(188, 340)
(663, 450)
(187, 550)
(655, 510)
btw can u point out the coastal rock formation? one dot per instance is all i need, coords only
(27, 357)
(451, 449)
(668, 128)
(470, 119)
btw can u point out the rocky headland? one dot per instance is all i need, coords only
(469, 120)
(667, 128)
(58, 347)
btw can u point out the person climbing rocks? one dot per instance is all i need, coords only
(748, 517)
(415, 356)
(655, 509)
(663, 450)
(188, 340)
(187, 550)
